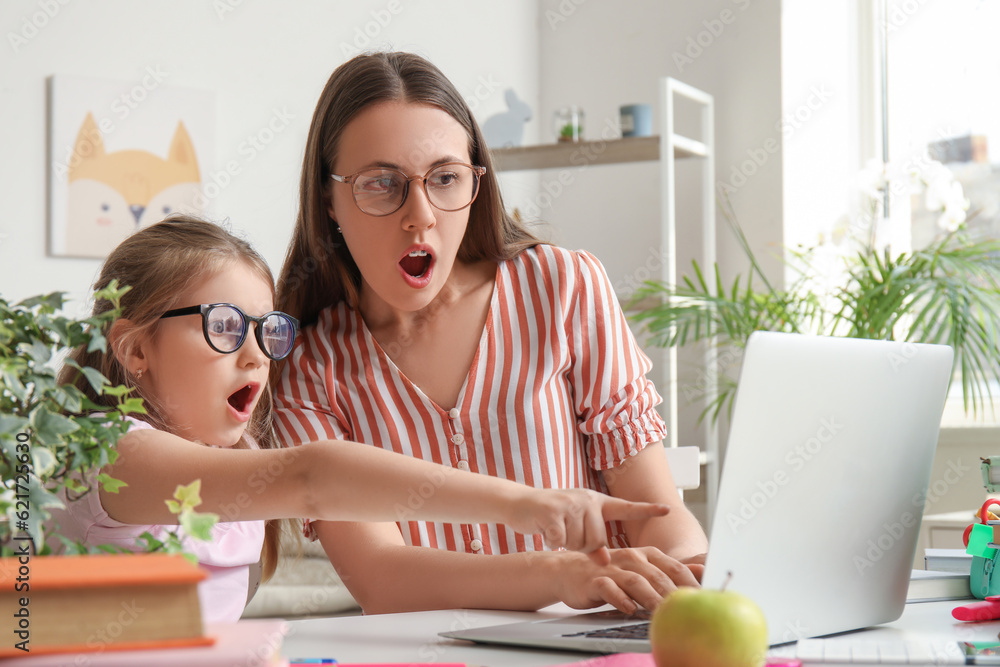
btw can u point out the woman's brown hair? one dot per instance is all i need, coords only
(319, 270)
(159, 263)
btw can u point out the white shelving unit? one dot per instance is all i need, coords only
(666, 149)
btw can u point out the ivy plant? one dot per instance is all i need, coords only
(52, 436)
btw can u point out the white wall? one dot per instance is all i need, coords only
(600, 55)
(258, 56)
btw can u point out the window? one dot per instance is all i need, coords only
(943, 107)
(944, 102)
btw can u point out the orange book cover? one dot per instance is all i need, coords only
(50, 572)
(106, 602)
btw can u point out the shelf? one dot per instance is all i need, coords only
(664, 150)
(582, 153)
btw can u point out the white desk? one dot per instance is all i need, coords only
(413, 637)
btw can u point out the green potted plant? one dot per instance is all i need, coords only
(51, 434)
(569, 124)
(947, 292)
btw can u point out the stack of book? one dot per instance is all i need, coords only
(946, 576)
(121, 609)
(928, 585)
(947, 560)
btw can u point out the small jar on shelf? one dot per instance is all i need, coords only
(568, 123)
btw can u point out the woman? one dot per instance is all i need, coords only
(436, 326)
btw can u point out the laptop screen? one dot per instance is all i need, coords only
(824, 479)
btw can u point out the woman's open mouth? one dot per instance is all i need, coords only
(417, 266)
(241, 400)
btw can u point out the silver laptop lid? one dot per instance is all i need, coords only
(825, 474)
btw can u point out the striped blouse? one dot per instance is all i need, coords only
(556, 393)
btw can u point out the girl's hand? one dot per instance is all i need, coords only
(635, 577)
(575, 518)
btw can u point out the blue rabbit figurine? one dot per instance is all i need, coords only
(506, 129)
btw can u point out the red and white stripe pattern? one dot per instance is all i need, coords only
(556, 393)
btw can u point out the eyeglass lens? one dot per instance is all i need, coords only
(449, 187)
(226, 329)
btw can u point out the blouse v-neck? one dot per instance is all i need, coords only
(470, 375)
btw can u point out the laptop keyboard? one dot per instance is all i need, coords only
(634, 631)
(891, 652)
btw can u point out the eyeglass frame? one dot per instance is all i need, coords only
(205, 308)
(477, 170)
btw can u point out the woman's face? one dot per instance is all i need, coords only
(405, 257)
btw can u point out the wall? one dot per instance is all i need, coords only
(600, 55)
(262, 58)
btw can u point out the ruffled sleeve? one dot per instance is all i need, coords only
(304, 401)
(615, 402)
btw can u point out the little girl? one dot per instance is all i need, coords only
(195, 339)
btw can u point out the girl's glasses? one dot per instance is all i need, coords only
(225, 328)
(382, 191)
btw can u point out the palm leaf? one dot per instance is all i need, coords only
(948, 293)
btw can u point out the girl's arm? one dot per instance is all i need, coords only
(646, 476)
(345, 480)
(385, 575)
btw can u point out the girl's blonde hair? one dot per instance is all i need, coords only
(319, 270)
(160, 263)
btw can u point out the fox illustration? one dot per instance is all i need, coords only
(113, 194)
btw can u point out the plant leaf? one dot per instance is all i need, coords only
(199, 525)
(188, 496)
(109, 483)
(49, 427)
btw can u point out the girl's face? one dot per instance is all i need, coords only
(207, 396)
(390, 250)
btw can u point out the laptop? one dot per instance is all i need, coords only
(825, 475)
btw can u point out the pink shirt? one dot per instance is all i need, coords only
(556, 394)
(227, 558)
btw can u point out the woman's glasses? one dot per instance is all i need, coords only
(225, 328)
(382, 191)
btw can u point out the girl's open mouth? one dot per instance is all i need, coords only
(241, 400)
(416, 267)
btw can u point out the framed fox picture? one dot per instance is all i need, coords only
(123, 155)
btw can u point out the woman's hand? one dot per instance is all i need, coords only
(635, 577)
(696, 564)
(575, 518)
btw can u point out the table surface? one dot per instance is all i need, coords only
(412, 637)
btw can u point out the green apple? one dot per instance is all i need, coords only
(700, 627)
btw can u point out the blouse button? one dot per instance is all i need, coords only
(453, 413)
(463, 465)
(458, 438)
(476, 545)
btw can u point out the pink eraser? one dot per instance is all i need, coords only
(977, 611)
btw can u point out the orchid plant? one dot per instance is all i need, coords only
(946, 292)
